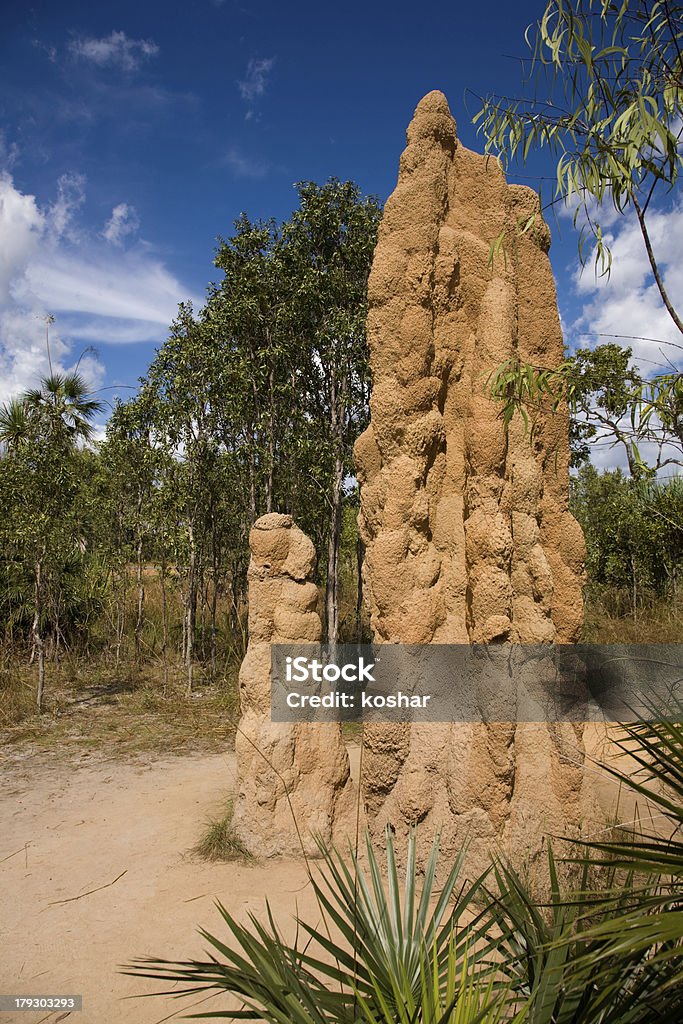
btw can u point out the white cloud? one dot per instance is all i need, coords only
(60, 215)
(21, 227)
(133, 287)
(98, 293)
(124, 221)
(254, 84)
(116, 50)
(628, 302)
(245, 166)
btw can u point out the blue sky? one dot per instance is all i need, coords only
(132, 134)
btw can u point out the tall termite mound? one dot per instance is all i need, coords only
(293, 780)
(467, 528)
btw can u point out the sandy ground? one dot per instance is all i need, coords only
(95, 870)
(67, 831)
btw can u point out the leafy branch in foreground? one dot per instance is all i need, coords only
(614, 78)
(607, 104)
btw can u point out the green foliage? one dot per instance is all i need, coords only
(251, 405)
(61, 408)
(633, 531)
(607, 399)
(256, 400)
(41, 473)
(651, 927)
(561, 970)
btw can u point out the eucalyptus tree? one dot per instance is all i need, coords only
(248, 316)
(329, 243)
(260, 394)
(607, 103)
(288, 328)
(187, 401)
(131, 462)
(40, 432)
(634, 534)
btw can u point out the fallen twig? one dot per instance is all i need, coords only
(89, 892)
(201, 897)
(10, 855)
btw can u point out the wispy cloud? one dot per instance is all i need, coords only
(253, 86)
(134, 287)
(59, 219)
(115, 50)
(243, 166)
(100, 293)
(124, 221)
(50, 51)
(9, 153)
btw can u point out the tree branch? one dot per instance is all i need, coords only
(653, 264)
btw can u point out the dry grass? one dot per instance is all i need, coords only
(96, 712)
(219, 842)
(660, 621)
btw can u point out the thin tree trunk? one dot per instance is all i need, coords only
(659, 281)
(38, 643)
(271, 439)
(360, 552)
(333, 546)
(121, 598)
(141, 589)
(121, 613)
(191, 610)
(57, 634)
(337, 399)
(214, 594)
(252, 482)
(164, 620)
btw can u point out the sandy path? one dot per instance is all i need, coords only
(77, 829)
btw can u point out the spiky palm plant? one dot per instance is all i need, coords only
(14, 423)
(398, 955)
(556, 963)
(62, 405)
(610, 952)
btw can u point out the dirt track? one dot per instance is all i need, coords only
(68, 830)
